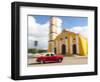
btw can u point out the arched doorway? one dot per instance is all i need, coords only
(63, 49)
(74, 49)
(55, 50)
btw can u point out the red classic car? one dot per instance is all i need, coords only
(49, 57)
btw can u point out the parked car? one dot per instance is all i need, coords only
(49, 57)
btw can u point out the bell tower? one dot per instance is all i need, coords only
(52, 33)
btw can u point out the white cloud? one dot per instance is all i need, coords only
(81, 30)
(59, 23)
(39, 32)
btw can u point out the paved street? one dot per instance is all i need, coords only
(75, 60)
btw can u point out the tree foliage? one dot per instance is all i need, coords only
(34, 51)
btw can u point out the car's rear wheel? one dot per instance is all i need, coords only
(60, 60)
(42, 62)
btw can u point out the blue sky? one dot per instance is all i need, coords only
(67, 21)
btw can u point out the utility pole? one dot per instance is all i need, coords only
(36, 44)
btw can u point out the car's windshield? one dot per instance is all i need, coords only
(47, 55)
(52, 54)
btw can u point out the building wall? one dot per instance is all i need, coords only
(83, 46)
(65, 38)
(69, 39)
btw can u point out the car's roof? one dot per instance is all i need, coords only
(49, 53)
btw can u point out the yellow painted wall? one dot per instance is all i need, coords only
(68, 43)
(83, 46)
(82, 43)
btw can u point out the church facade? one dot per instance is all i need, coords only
(66, 43)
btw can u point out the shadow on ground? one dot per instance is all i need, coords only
(40, 63)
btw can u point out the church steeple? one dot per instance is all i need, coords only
(52, 33)
(53, 28)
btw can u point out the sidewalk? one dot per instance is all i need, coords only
(77, 56)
